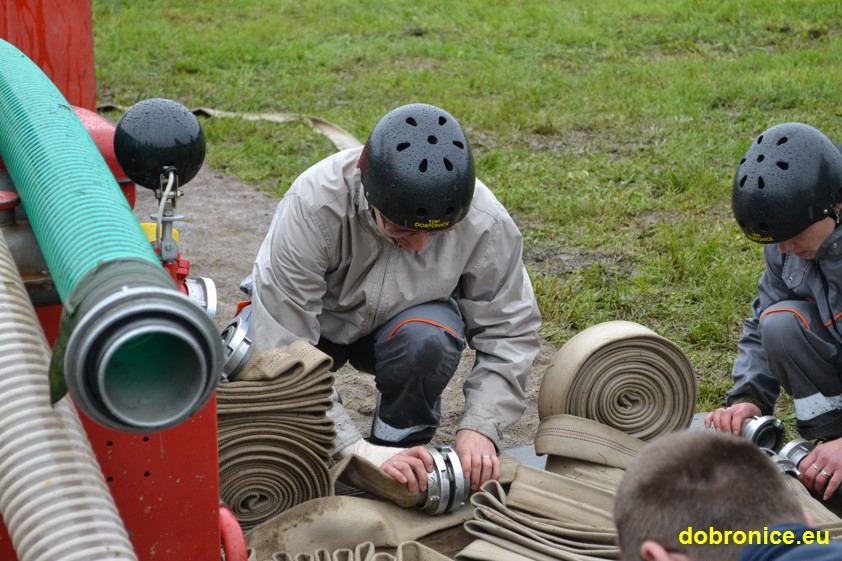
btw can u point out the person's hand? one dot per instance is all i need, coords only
(478, 456)
(730, 419)
(411, 467)
(821, 469)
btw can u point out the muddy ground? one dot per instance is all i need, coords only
(225, 222)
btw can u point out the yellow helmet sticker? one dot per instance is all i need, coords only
(759, 238)
(432, 224)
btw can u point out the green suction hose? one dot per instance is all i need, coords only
(135, 353)
(63, 182)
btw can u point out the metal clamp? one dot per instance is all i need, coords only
(447, 486)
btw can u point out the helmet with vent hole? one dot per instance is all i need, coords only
(417, 168)
(789, 179)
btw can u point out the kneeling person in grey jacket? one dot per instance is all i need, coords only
(393, 256)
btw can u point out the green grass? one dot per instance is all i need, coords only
(611, 133)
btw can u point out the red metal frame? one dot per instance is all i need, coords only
(166, 486)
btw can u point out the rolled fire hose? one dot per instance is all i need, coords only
(135, 353)
(607, 390)
(275, 438)
(53, 498)
(623, 375)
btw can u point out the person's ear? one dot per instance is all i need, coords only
(653, 551)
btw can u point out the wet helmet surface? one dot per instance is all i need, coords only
(417, 168)
(789, 179)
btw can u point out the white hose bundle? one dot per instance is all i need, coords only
(623, 375)
(53, 498)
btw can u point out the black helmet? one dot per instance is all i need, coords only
(417, 168)
(156, 134)
(789, 179)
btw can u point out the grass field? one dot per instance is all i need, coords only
(611, 130)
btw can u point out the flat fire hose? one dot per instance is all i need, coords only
(407, 551)
(338, 136)
(542, 516)
(576, 439)
(275, 438)
(343, 522)
(599, 393)
(565, 512)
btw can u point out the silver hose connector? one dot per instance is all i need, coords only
(447, 486)
(140, 356)
(765, 432)
(202, 291)
(237, 348)
(796, 450)
(784, 464)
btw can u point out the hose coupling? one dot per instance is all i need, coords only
(447, 486)
(237, 347)
(202, 292)
(784, 464)
(765, 432)
(796, 450)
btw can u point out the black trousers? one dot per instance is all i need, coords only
(413, 357)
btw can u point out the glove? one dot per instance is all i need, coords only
(374, 453)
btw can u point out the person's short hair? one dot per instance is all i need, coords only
(700, 479)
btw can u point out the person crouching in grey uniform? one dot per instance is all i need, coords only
(787, 194)
(393, 256)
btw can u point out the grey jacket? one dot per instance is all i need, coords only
(324, 269)
(787, 277)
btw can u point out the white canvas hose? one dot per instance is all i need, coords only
(624, 375)
(53, 497)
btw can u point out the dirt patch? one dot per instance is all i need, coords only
(225, 222)
(552, 258)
